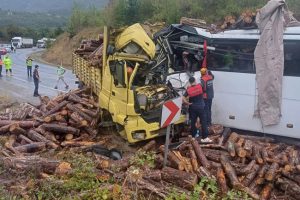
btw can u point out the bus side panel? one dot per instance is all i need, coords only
(234, 102)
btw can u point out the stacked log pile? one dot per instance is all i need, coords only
(245, 21)
(91, 50)
(59, 122)
(259, 167)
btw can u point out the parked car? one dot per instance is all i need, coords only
(3, 51)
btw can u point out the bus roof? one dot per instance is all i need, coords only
(291, 33)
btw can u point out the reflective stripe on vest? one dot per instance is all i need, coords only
(194, 90)
(206, 78)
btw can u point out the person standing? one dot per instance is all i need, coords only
(1, 63)
(29, 66)
(208, 92)
(60, 73)
(194, 98)
(36, 81)
(8, 63)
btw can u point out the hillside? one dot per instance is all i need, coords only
(64, 46)
(48, 6)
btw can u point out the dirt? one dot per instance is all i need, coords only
(61, 51)
(6, 102)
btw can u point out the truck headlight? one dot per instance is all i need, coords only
(139, 135)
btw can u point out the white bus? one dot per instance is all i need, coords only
(232, 63)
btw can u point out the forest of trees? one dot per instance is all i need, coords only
(124, 12)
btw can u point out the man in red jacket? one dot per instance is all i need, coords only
(208, 92)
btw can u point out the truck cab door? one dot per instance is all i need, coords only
(118, 95)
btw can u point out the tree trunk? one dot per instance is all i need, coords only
(225, 135)
(257, 154)
(231, 148)
(246, 170)
(26, 139)
(193, 159)
(57, 108)
(260, 178)
(154, 175)
(31, 148)
(4, 129)
(76, 99)
(248, 146)
(272, 172)
(175, 162)
(15, 129)
(35, 136)
(61, 129)
(199, 153)
(80, 122)
(149, 146)
(289, 187)
(222, 180)
(74, 108)
(229, 171)
(179, 178)
(22, 124)
(249, 178)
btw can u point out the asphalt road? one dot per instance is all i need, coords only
(20, 88)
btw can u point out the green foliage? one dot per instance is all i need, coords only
(142, 158)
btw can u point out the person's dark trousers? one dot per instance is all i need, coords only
(195, 112)
(0, 70)
(207, 108)
(29, 71)
(36, 87)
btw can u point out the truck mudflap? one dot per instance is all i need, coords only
(136, 129)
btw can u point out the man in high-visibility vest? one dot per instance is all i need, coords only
(8, 63)
(60, 73)
(29, 66)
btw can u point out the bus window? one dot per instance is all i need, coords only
(236, 56)
(291, 58)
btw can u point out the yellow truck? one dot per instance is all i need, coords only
(132, 102)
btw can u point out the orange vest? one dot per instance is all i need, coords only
(194, 90)
(1, 63)
(206, 78)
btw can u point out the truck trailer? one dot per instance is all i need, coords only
(20, 42)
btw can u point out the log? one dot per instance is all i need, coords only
(154, 175)
(248, 146)
(231, 149)
(10, 143)
(91, 113)
(199, 153)
(31, 148)
(257, 154)
(179, 178)
(76, 143)
(233, 137)
(61, 129)
(264, 154)
(250, 192)
(80, 122)
(229, 171)
(56, 108)
(193, 158)
(69, 136)
(222, 181)
(225, 135)
(240, 151)
(294, 158)
(76, 99)
(259, 180)
(175, 162)
(35, 136)
(149, 146)
(289, 187)
(22, 124)
(250, 177)
(30, 163)
(53, 117)
(73, 108)
(15, 129)
(26, 139)
(4, 129)
(272, 172)
(114, 165)
(246, 170)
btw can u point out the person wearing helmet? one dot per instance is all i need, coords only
(194, 98)
(208, 91)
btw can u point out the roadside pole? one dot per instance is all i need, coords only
(167, 145)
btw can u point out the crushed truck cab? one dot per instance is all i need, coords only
(122, 84)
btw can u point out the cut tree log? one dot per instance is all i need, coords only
(225, 135)
(26, 139)
(193, 159)
(80, 122)
(15, 129)
(31, 148)
(272, 172)
(266, 191)
(56, 108)
(240, 151)
(74, 108)
(199, 153)
(257, 154)
(4, 129)
(246, 170)
(179, 178)
(32, 163)
(230, 172)
(57, 128)
(250, 177)
(9, 144)
(289, 187)
(260, 178)
(76, 143)
(35, 136)
(76, 99)
(175, 162)
(149, 146)
(231, 149)
(222, 181)
(154, 175)
(248, 146)
(22, 124)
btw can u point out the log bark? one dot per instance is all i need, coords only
(230, 172)
(248, 145)
(246, 170)
(76, 99)
(225, 135)
(179, 178)
(15, 129)
(31, 148)
(260, 178)
(76, 143)
(272, 172)
(289, 187)
(149, 146)
(34, 163)
(80, 122)
(222, 181)
(257, 154)
(193, 158)
(9, 144)
(26, 139)
(74, 108)
(249, 178)
(154, 175)
(199, 153)
(22, 124)
(35, 136)
(240, 151)
(231, 149)
(61, 129)
(175, 162)
(57, 108)
(4, 129)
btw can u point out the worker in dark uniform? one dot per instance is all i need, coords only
(194, 98)
(208, 92)
(36, 80)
